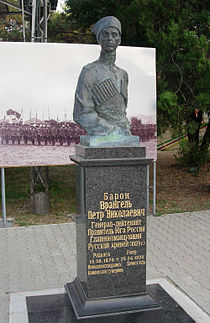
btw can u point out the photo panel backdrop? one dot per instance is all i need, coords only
(37, 88)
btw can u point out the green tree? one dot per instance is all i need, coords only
(178, 30)
(13, 35)
(62, 29)
(87, 12)
(11, 27)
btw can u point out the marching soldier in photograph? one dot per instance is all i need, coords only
(12, 134)
(2, 133)
(32, 134)
(61, 135)
(52, 135)
(39, 134)
(44, 134)
(18, 133)
(26, 134)
(5, 139)
(8, 133)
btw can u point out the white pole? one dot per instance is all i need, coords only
(23, 21)
(3, 197)
(147, 189)
(45, 22)
(154, 187)
(33, 20)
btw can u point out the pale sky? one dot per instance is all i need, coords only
(59, 5)
(42, 78)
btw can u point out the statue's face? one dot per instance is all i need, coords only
(109, 39)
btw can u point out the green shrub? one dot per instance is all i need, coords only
(191, 156)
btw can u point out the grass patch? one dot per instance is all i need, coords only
(178, 190)
(62, 196)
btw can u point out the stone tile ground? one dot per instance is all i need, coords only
(179, 247)
(44, 257)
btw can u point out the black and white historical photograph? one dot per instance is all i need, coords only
(37, 91)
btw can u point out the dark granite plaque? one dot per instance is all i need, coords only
(111, 233)
(116, 238)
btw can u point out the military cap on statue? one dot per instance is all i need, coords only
(109, 21)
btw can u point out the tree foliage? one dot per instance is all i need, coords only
(178, 30)
(86, 12)
(62, 29)
(14, 35)
(11, 28)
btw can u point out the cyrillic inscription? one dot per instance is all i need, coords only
(109, 231)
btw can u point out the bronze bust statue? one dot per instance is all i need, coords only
(102, 90)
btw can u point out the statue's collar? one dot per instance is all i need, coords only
(107, 59)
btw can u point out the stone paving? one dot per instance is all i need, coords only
(178, 247)
(44, 257)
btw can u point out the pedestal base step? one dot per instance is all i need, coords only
(54, 309)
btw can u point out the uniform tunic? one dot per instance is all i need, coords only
(101, 99)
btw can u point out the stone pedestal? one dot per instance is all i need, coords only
(111, 238)
(113, 140)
